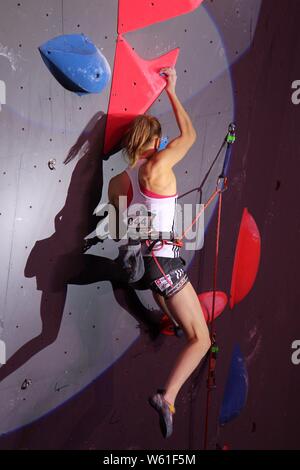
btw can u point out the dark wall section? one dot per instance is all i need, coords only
(263, 177)
(266, 167)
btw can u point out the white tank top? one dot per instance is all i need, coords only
(162, 208)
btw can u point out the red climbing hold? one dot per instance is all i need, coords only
(225, 447)
(136, 85)
(167, 327)
(206, 301)
(137, 14)
(246, 260)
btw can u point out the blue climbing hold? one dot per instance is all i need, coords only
(236, 390)
(163, 143)
(76, 63)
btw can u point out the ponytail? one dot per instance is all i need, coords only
(139, 135)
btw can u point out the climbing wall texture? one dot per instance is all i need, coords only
(82, 356)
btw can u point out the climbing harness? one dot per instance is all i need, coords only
(221, 186)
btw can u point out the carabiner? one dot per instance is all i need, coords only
(222, 184)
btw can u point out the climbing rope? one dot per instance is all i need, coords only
(212, 359)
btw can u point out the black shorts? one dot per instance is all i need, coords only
(174, 271)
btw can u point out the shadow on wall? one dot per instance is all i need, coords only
(60, 260)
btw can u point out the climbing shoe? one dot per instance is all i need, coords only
(165, 410)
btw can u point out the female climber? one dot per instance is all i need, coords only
(150, 180)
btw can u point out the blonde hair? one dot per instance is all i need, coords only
(139, 135)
